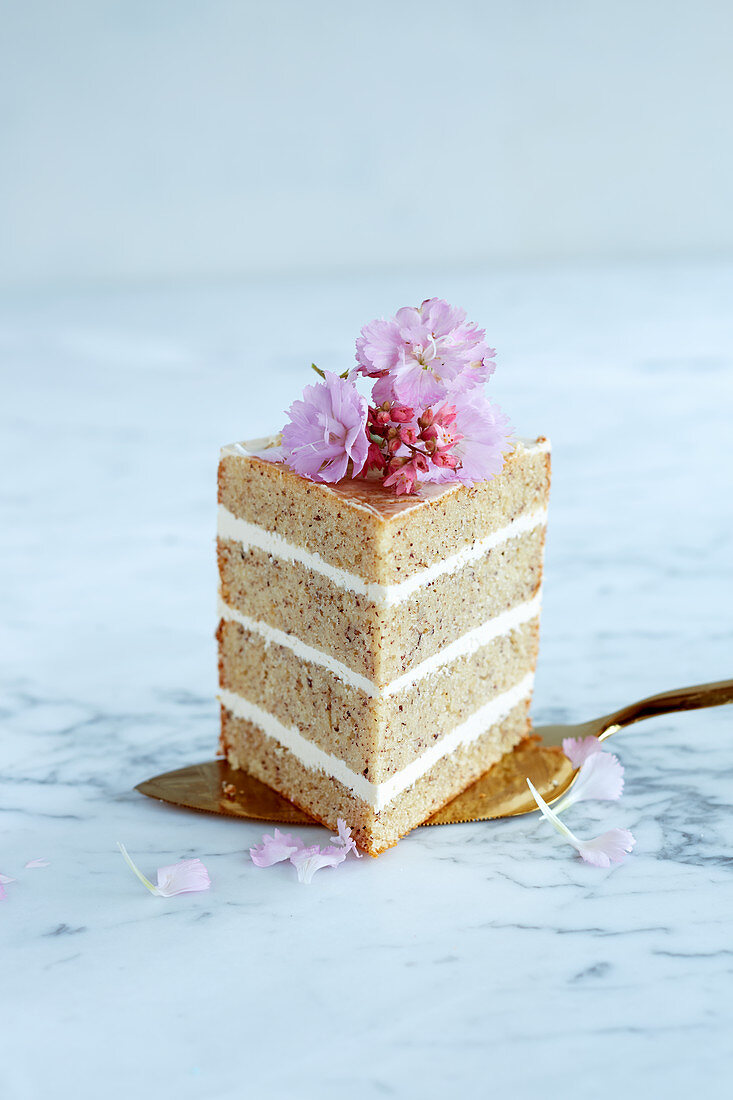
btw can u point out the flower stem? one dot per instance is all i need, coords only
(318, 370)
(145, 881)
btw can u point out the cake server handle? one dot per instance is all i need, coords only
(668, 702)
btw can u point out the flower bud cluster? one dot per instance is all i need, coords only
(403, 446)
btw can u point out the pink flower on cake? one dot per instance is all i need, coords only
(275, 849)
(578, 749)
(420, 355)
(403, 477)
(375, 459)
(601, 851)
(327, 429)
(476, 434)
(187, 877)
(428, 420)
(441, 436)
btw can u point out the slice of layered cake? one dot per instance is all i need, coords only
(380, 568)
(376, 654)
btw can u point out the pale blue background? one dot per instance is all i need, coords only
(177, 138)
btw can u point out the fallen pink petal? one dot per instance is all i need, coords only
(601, 851)
(306, 860)
(37, 863)
(309, 860)
(601, 778)
(275, 849)
(4, 880)
(345, 838)
(610, 847)
(187, 877)
(578, 749)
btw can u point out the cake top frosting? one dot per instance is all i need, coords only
(428, 422)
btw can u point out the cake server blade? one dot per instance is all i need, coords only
(215, 787)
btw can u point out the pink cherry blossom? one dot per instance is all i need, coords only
(187, 877)
(478, 437)
(326, 430)
(4, 880)
(601, 851)
(421, 355)
(403, 478)
(578, 749)
(275, 849)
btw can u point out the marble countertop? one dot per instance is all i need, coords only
(470, 960)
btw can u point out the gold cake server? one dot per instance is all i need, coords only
(502, 791)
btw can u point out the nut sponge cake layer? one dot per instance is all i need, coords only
(376, 653)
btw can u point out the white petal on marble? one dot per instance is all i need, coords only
(471, 960)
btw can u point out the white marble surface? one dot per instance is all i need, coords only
(471, 960)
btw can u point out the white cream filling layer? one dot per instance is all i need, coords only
(251, 535)
(467, 645)
(378, 795)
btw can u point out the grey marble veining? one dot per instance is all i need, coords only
(470, 960)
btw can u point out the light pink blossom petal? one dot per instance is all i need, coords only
(306, 860)
(4, 879)
(345, 838)
(187, 877)
(383, 390)
(271, 454)
(37, 863)
(578, 749)
(609, 848)
(275, 849)
(601, 777)
(379, 346)
(309, 860)
(601, 851)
